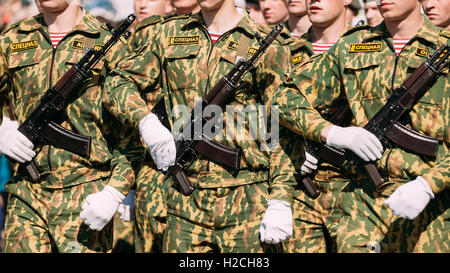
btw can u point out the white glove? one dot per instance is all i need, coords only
(13, 143)
(276, 225)
(126, 208)
(411, 198)
(159, 141)
(358, 140)
(309, 165)
(99, 208)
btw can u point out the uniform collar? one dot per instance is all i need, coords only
(87, 24)
(427, 32)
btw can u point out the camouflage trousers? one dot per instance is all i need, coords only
(369, 226)
(123, 235)
(316, 220)
(150, 210)
(47, 220)
(216, 220)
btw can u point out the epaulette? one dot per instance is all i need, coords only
(297, 43)
(445, 32)
(148, 22)
(174, 17)
(281, 38)
(355, 29)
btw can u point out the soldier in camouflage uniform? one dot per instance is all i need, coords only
(315, 220)
(225, 211)
(47, 215)
(416, 188)
(150, 209)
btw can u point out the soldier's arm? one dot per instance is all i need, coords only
(128, 155)
(4, 85)
(439, 175)
(139, 70)
(312, 86)
(276, 65)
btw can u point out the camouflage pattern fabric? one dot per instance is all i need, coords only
(151, 189)
(47, 220)
(123, 235)
(230, 219)
(190, 66)
(365, 79)
(315, 220)
(29, 66)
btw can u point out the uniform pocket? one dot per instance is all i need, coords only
(181, 63)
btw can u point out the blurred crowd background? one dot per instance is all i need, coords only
(114, 11)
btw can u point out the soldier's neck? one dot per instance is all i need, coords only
(222, 19)
(299, 24)
(65, 20)
(328, 33)
(405, 28)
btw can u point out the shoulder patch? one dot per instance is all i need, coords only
(355, 29)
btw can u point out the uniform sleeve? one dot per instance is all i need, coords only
(296, 111)
(273, 70)
(138, 70)
(128, 155)
(439, 175)
(4, 85)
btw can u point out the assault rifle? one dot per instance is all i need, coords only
(386, 126)
(324, 153)
(42, 126)
(199, 143)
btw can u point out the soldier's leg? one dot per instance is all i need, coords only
(25, 230)
(150, 210)
(65, 225)
(308, 229)
(238, 212)
(123, 235)
(190, 221)
(370, 226)
(429, 232)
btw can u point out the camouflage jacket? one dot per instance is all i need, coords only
(29, 65)
(184, 59)
(366, 78)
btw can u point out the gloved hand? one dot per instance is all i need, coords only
(358, 140)
(410, 199)
(159, 141)
(276, 225)
(309, 165)
(99, 208)
(126, 208)
(13, 143)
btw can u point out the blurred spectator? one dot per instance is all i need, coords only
(438, 11)
(123, 9)
(12, 11)
(355, 15)
(185, 6)
(274, 11)
(103, 10)
(255, 12)
(146, 8)
(298, 22)
(373, 15)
